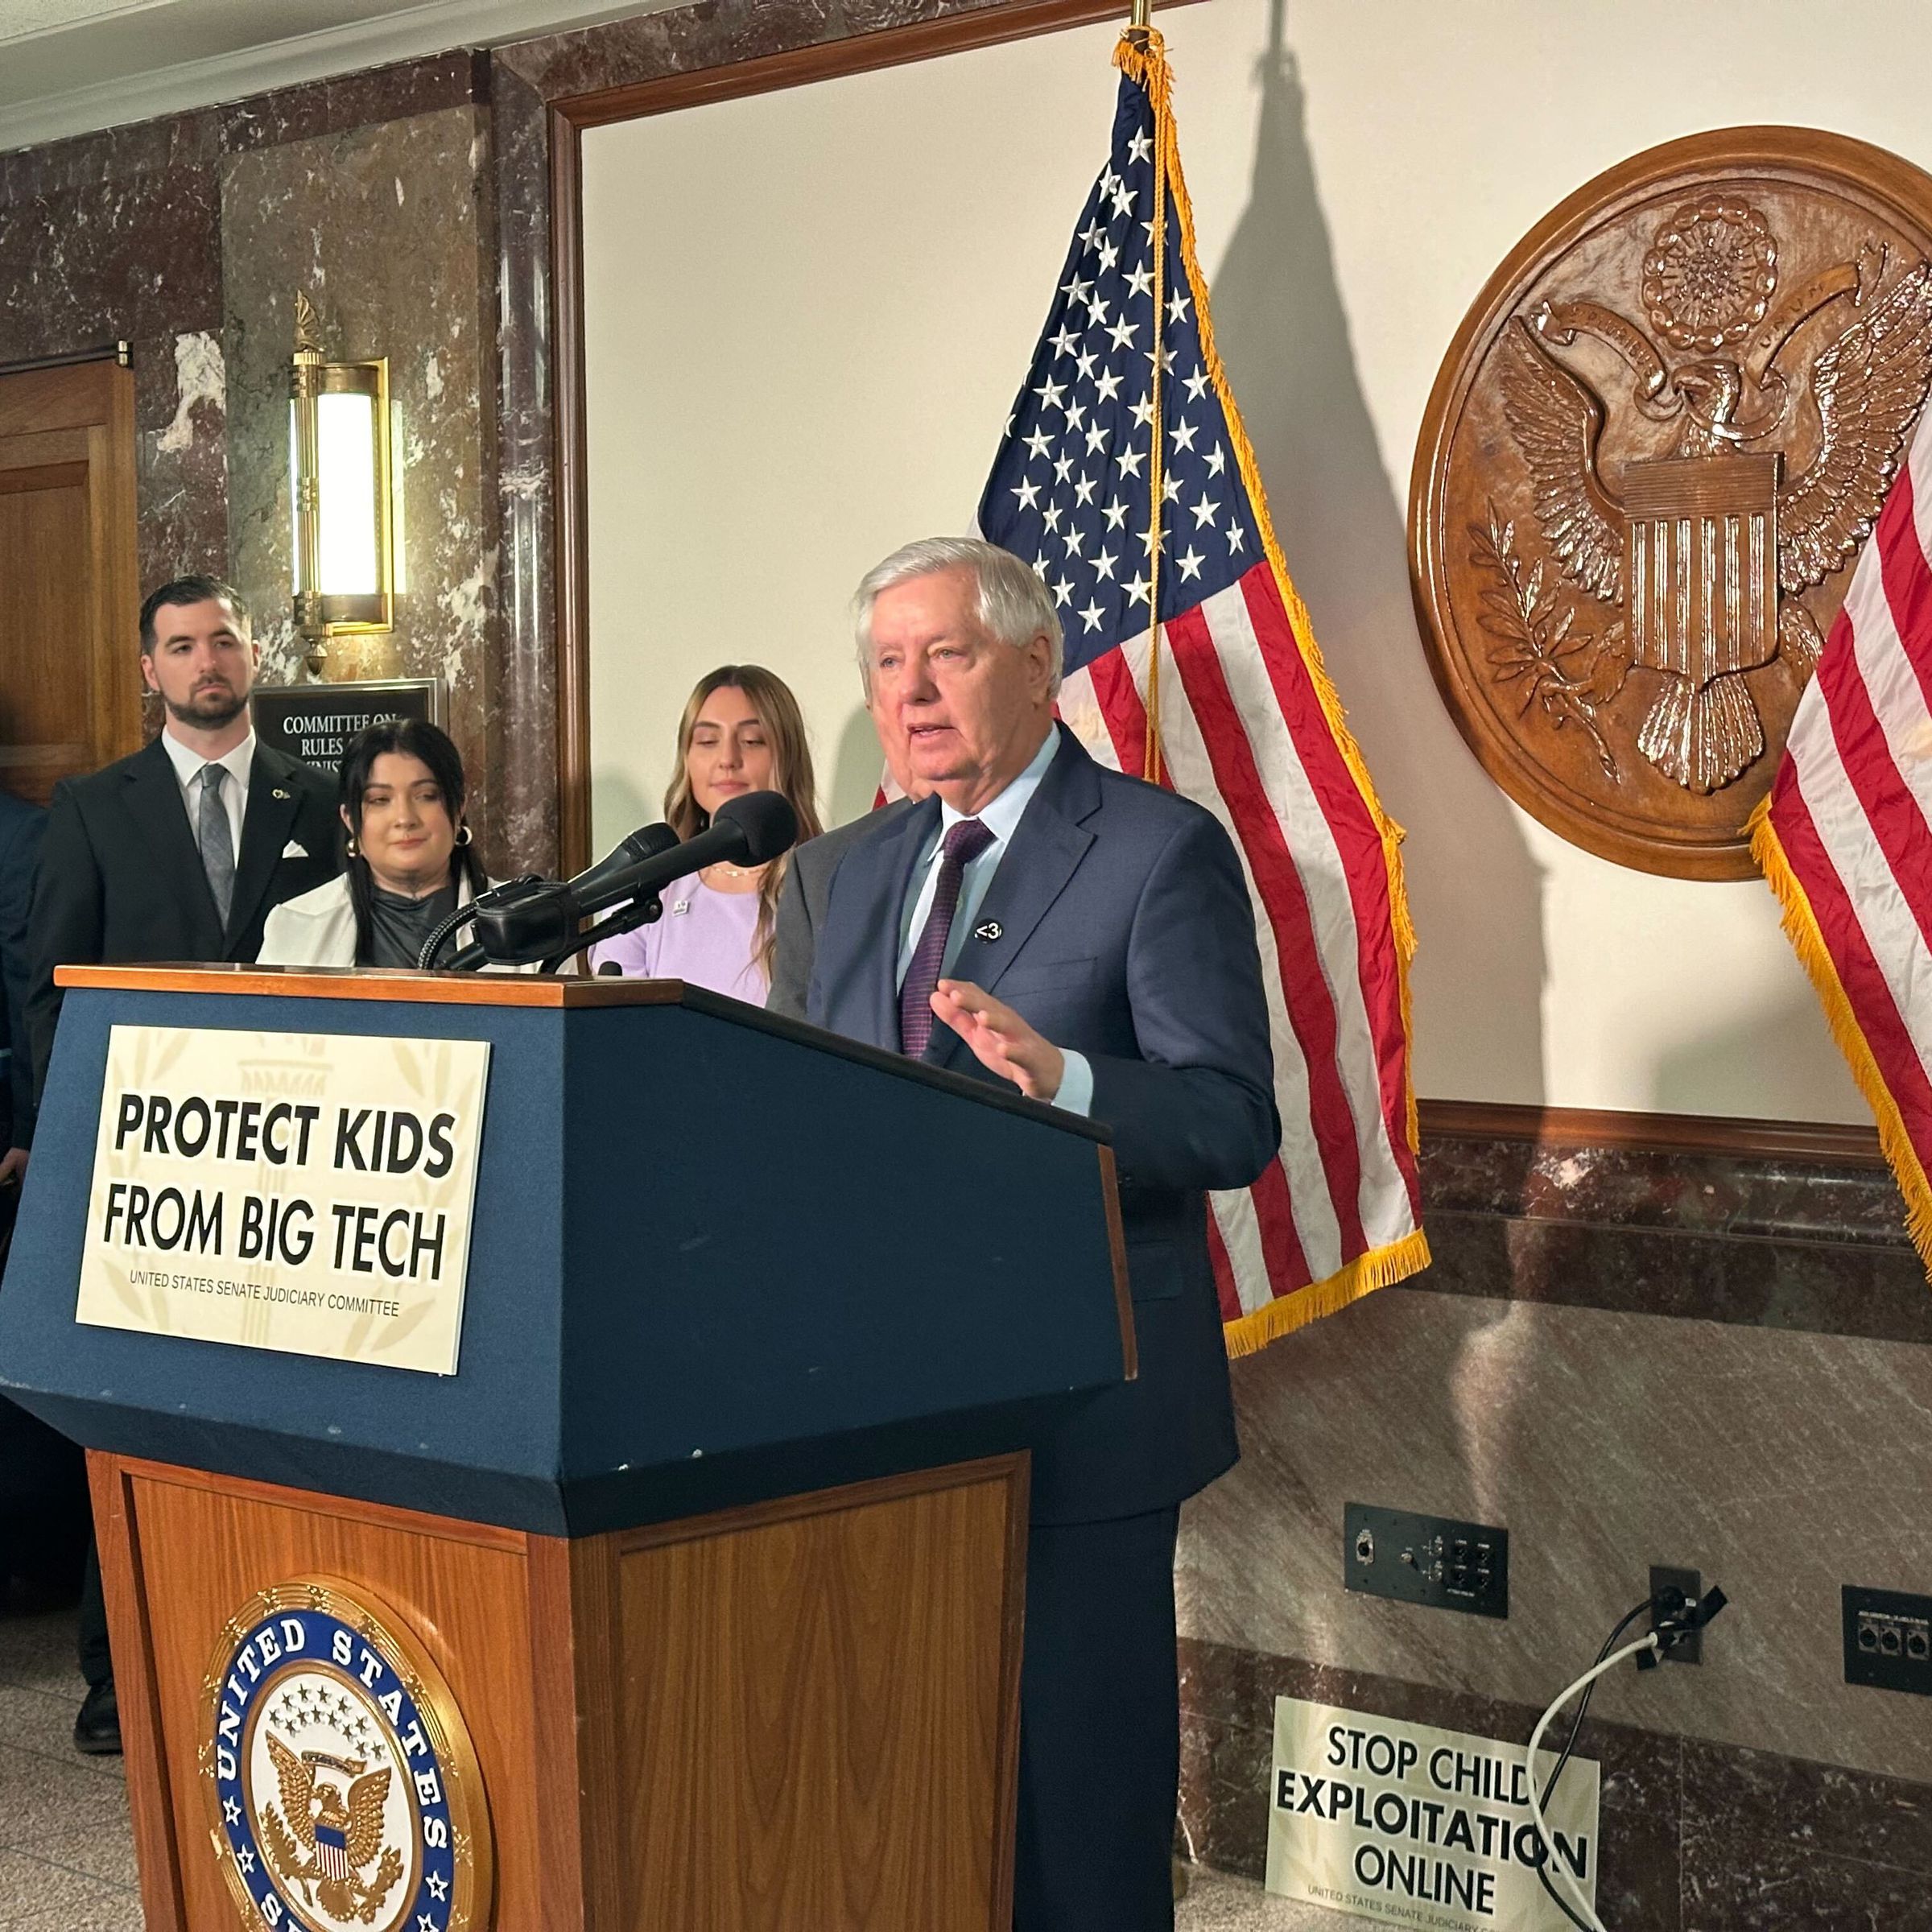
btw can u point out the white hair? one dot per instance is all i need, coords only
(1012, 603)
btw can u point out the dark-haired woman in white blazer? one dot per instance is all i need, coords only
(410, 861)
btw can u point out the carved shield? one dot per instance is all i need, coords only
(1700, 568)
(1652, 452)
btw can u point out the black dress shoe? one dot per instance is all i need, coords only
(97, 1729)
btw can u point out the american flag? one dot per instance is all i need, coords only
(1845, 834)
(1246, 722)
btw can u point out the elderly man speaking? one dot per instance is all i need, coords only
(1087, 938)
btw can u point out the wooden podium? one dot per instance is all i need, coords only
(705, 1569)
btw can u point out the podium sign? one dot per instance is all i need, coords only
(311, 1193)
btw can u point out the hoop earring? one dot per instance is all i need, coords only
(351, 846)
(462, 834)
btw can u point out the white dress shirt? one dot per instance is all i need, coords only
(237, 764)
(1000, 816)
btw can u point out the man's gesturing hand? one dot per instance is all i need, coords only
(1001, 1041)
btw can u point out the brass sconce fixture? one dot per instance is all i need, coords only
(339, 478)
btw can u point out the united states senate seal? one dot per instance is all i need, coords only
(342, 1789)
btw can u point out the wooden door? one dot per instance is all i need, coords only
(70, 600)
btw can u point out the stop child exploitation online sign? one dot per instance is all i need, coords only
(1420, 1828)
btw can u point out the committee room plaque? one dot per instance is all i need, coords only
(1656, 445)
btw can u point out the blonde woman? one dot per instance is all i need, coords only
(741, 732)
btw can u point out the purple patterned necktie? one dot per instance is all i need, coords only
(959, 847)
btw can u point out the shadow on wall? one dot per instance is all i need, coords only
(1474, 887)
(621, 807)
(1782, 1055)
(848, 785)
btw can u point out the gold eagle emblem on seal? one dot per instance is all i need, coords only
(324, 1839)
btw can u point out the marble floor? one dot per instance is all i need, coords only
(67, 1862)
(1215, 1903)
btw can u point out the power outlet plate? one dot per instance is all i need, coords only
(1426, 1559)
(1888, 1640)
(1688, 1650)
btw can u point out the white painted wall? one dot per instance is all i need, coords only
(808, 313)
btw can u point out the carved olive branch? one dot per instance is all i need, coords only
(1566, 673)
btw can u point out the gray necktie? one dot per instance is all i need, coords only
(216, 841)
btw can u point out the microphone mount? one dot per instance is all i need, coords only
(541, 920)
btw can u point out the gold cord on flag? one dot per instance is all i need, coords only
(1150, 44)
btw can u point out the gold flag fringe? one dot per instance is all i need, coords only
(1142, 55)
(1802, 928)
(1380, 1268)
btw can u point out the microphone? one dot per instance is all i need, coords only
(646, 842)
(632, 849)
(542, 924)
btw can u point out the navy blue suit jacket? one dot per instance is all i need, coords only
(1126, 935)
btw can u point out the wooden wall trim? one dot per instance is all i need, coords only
(569, 115)
(833, 60)
(1832, 1143)
(117, 353)
(572, 497)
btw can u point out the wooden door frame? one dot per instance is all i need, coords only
(107, 426)
(569, 117)
(105, 352)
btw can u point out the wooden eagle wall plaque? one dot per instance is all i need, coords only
(1659, 439)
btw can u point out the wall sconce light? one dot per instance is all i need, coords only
(339, 458)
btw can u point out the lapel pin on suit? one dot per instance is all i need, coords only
(277, 793)
(987, 929)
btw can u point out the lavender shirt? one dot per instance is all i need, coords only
(703, 938)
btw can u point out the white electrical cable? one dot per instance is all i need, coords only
(1557, 1875)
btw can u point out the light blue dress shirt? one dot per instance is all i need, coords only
(1001, 817)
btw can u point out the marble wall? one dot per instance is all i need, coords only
(381, 226)
(117, 237)
(1623, 1358)
(374, 194)
(1695, 1837)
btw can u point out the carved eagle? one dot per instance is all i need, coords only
(1866, 386)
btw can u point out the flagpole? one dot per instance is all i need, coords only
(1140, 24)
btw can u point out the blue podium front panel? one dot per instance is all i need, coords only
(715, 1257)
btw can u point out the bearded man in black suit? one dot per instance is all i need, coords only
(178, 853)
